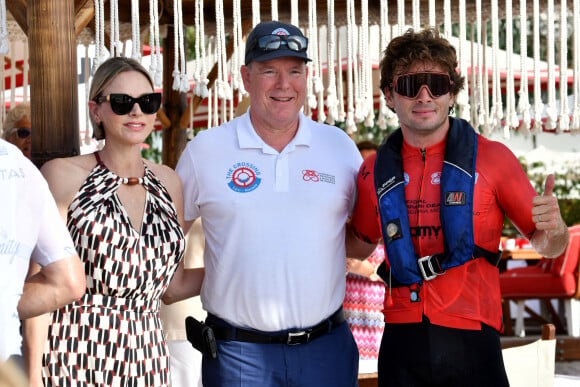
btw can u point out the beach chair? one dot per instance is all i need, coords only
(549, 279)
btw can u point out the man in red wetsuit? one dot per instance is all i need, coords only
(441, 192)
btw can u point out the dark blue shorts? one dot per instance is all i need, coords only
(329, 360)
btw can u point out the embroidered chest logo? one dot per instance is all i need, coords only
(315, 177)
(243, 177)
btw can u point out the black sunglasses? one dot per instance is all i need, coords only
(409, 85)
(23, 132)
(273, 42)
(122, 104)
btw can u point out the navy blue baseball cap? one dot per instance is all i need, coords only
(274, 39)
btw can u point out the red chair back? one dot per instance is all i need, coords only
(568, 261)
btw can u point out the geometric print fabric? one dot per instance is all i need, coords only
(113, 336)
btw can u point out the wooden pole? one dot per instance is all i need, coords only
(53, 79)
(174, 103)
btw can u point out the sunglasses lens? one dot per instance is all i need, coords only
(297, 43)
(409, 85)
(150, 103)
(122, 104)
(269, 42)
(273, 42)
(23, 132)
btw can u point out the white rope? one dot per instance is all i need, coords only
(155, 67)
(416, 9)
(135, 32)
(223, 89)
(274, 6)
(575, 126)
(496, 114)
(116, 45)
(12, 77)
(2, 96)
(473, 92)
(511, 116)
(564, 121)
(462, 99)
(350, 125)
(86, 78)
(294, 12)
(359, 113)
(180, 82)
(25, 73)
(480, 113)
(99, 33)
(551, 113)
(432, 13)
(524, 100)
(316, 73)
(384, 39)
(238, 55)
(200, 77)
(366, 68)
(339, 88)
(487, 125)
(447, 18)
(255, 12)
(4, 45)
(400, 17)
(538, 104)
(331, 100)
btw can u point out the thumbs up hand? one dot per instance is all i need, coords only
(545, 210)
(548, 219)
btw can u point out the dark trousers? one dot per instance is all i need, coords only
(426, 355)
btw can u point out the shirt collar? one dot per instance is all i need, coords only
(248, 138)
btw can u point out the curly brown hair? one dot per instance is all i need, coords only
(423, 46)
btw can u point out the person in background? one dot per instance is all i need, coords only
(363, 300)
(125, 216)
(274, 203)
(184, 359)
(17, 128)
(31, 230)
(441, 192)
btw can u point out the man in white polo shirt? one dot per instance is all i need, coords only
(31, 230)
(274, 190)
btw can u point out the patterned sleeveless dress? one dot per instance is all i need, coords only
(113, 335)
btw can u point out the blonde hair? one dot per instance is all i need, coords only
(104, 75)
(17, 113)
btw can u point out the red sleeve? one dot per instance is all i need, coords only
(513, 191)
(365, 218)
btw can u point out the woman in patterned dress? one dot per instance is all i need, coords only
(125, 215)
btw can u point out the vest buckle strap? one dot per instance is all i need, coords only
(429, 267)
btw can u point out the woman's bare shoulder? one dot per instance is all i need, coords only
(65, 175)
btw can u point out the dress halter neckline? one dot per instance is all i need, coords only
(124, 180)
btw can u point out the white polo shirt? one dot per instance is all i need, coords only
(30, 226)
(274, 222)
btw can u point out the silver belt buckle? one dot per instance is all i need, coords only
(422, 269)
(300, 336)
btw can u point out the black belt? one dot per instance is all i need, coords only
(299, 336)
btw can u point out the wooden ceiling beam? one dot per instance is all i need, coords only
(84, 15)
(18, 10)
